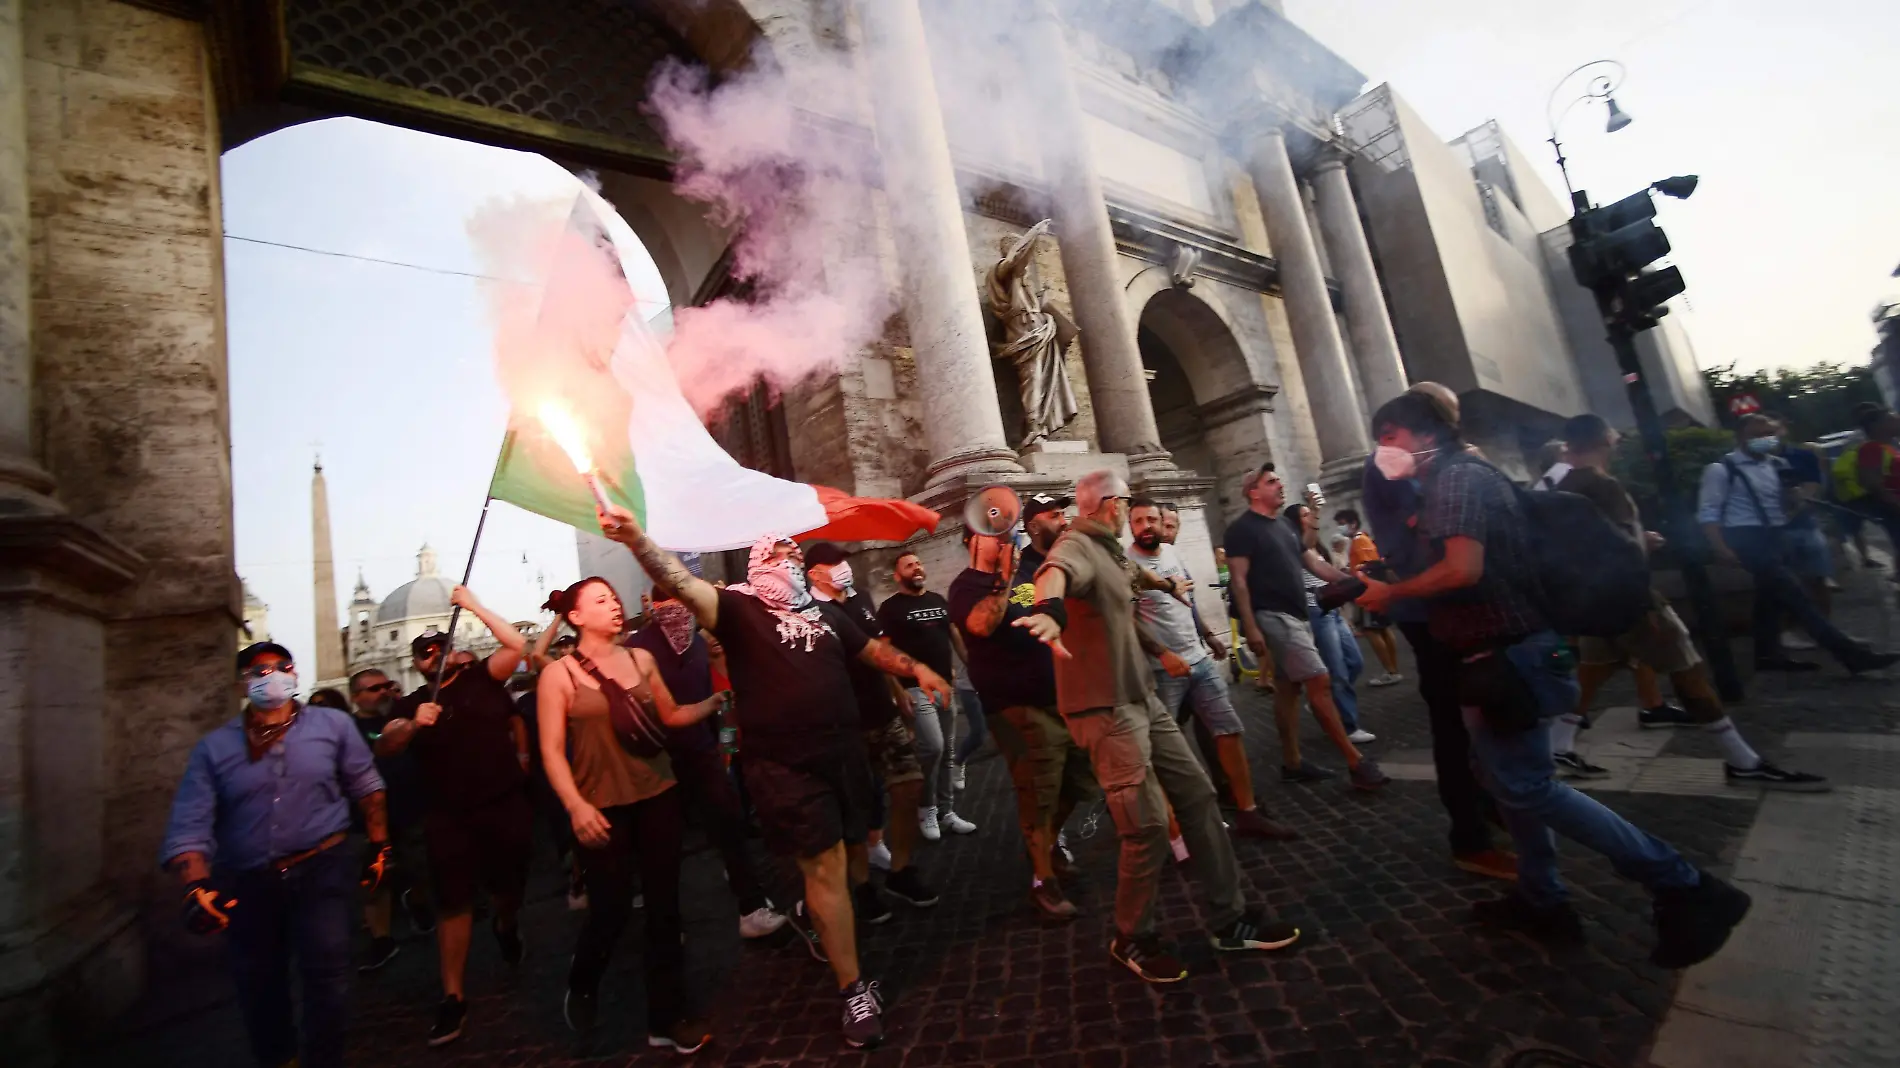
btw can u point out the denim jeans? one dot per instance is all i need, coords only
(1517, 770)
(1340, 651)
(936, 738)
(1779, 594)
(308, 912)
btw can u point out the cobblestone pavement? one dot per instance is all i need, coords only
(1389, 972)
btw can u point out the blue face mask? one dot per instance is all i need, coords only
(1763, 446)
(271, 691)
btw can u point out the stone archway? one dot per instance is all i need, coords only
(1209, 402)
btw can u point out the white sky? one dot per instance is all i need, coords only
(1787, 111)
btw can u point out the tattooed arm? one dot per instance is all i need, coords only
(665, 569)
(987, 614)
(882, 655)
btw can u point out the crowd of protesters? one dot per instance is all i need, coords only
(790, 708)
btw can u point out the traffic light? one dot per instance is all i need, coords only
(1614, 244)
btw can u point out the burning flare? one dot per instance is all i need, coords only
(566, 431)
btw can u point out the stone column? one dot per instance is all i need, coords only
(965, 424)
(1124, 412)
(1309, 308)
(20, 473)
(1381, 370)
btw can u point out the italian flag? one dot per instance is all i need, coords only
(613, 389)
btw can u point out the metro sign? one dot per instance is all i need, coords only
(1744, 404)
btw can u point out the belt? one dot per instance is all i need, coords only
(283, 864)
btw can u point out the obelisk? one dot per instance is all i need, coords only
(329, 653)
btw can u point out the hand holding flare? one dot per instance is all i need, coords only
(566, 431)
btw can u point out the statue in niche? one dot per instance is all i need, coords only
(1036, 336)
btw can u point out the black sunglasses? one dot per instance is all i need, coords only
(384, 685)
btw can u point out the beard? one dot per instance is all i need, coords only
(1149, 542)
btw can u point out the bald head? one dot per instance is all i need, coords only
(1442, 397)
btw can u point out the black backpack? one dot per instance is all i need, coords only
(1593, 576)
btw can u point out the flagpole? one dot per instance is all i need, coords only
(455, 615)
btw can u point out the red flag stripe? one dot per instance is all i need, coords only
(869, 518)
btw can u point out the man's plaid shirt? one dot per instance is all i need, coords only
(1469, 499)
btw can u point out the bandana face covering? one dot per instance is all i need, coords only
(781, 586)
(677, 622)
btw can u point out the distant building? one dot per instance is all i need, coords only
(1471, 248)
(379, 632)
(1886, 358)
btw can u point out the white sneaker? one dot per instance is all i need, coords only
(956, 777)
(956, 824)
(881, 857)
(760, 922)
(927, 819)
(1795, 640)
(1362, 737)
(1390, 678)
(1180, 850)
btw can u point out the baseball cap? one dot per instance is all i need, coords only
(424, 642)
(823, 554)
(1039, 502)
(256, 649)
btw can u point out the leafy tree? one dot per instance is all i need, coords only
(1815, 400)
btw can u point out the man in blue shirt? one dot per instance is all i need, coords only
(265, 799)
(1391, 509)
(1743, 515)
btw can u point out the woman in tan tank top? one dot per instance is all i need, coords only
(626, 813)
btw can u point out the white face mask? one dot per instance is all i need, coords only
(271, 691)
(1396, 463)
(842, 578)
(1763, 446)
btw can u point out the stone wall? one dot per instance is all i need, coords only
(128, 337)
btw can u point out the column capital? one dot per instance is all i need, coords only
(1330, 156)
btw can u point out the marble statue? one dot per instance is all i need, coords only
(1036, 336)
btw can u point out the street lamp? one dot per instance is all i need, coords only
(1602, 86)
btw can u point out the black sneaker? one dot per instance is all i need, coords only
(863, 1015)
(1774, 778)
(1147, 958)
(1868, 660)
(799, 923)
(510, 942)
(910, 888)
(1368, 776)
(381, 952)
(421, 916)
(1050, 902)
(580, 1008)
(1693, 923)
(1254, 931)
(684, 1038)
(1785, 663)
(869, 905)
(1556, 925)
(449, 1018)
(1304, 773)
(1664, 715)
(1572, 766)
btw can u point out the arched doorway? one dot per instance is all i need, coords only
(1211, 411)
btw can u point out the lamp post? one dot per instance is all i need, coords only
(1609, 246)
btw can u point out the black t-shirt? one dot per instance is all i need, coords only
(791, 681)
(1274, 570)
(688, 677)
(919, 624)
(402, 782)
(1009, 668)
(872, 687)
(468, 757)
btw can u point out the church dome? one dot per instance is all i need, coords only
(425, 595)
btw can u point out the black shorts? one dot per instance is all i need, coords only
(486, 846)
(808, 807)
